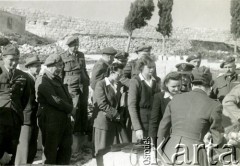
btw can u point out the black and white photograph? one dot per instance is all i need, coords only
(120, 82)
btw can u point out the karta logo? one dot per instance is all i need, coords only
(182, 150)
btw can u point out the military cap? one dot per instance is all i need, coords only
(194, 56)
(4, 41)
(72, 41)
(143, 48)
(10, 50)
(109, 51)
(227, 60)
(121, 55)
(52, 59)
(202, 75)
(32, 60)
(184, 67)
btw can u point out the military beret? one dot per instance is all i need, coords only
(4, 41)
(194, 56)
(32, 60)
(109, 51)
(184, 67)
(72, 41)
(227, 60)
(143, 48)
(10, 50)
(52, 59)
(121, 55)
(202, 75)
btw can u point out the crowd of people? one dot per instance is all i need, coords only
(130, 103)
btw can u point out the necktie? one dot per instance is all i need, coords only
(10, 73)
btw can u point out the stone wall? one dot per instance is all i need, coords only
(12, 23)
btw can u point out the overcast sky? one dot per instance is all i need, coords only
(186, 13)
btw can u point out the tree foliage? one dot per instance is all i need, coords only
(140, 12)
(235, 22)
(165, 21)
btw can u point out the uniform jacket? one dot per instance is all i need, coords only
(52, 95)
(75, 62)
(100, 71)
(190, 116)
(223, 85)
(158, 109)
(131, 71)
(106, 106)
(231, 107)
(15, 93)
(140, 100)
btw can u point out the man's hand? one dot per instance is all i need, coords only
(139, 134)
(5, 158)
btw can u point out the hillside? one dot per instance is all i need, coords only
(95, 35)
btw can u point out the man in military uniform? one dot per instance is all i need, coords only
(27, 147)
(224, 83)
(185, 69)
(195, 59)
(15, 105)
(101, 68)
(54, 113)
(76, 77)
(122, 57)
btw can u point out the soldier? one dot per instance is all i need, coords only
(76, 77)
(130, 69)
(15, 105)
(195, 59)
(27, 147)
(101, 68)
(224, 83)
(54, 113)
(185, 69)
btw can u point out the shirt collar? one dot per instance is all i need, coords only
(167, 95)
(107, 81)
(142, 78)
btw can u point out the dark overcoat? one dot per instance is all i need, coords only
(55, 106)
(190, 116)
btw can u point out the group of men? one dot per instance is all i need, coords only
(62, 110)
(55, 102)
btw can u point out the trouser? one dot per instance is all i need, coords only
(9, 134)
(56, 137)
(33, 144)
(79, 93)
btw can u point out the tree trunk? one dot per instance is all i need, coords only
(235, 46)
(163, 46)
(128, 43)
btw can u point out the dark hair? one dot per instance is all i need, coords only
(170, 76)
(145, 60)
(115, 67)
